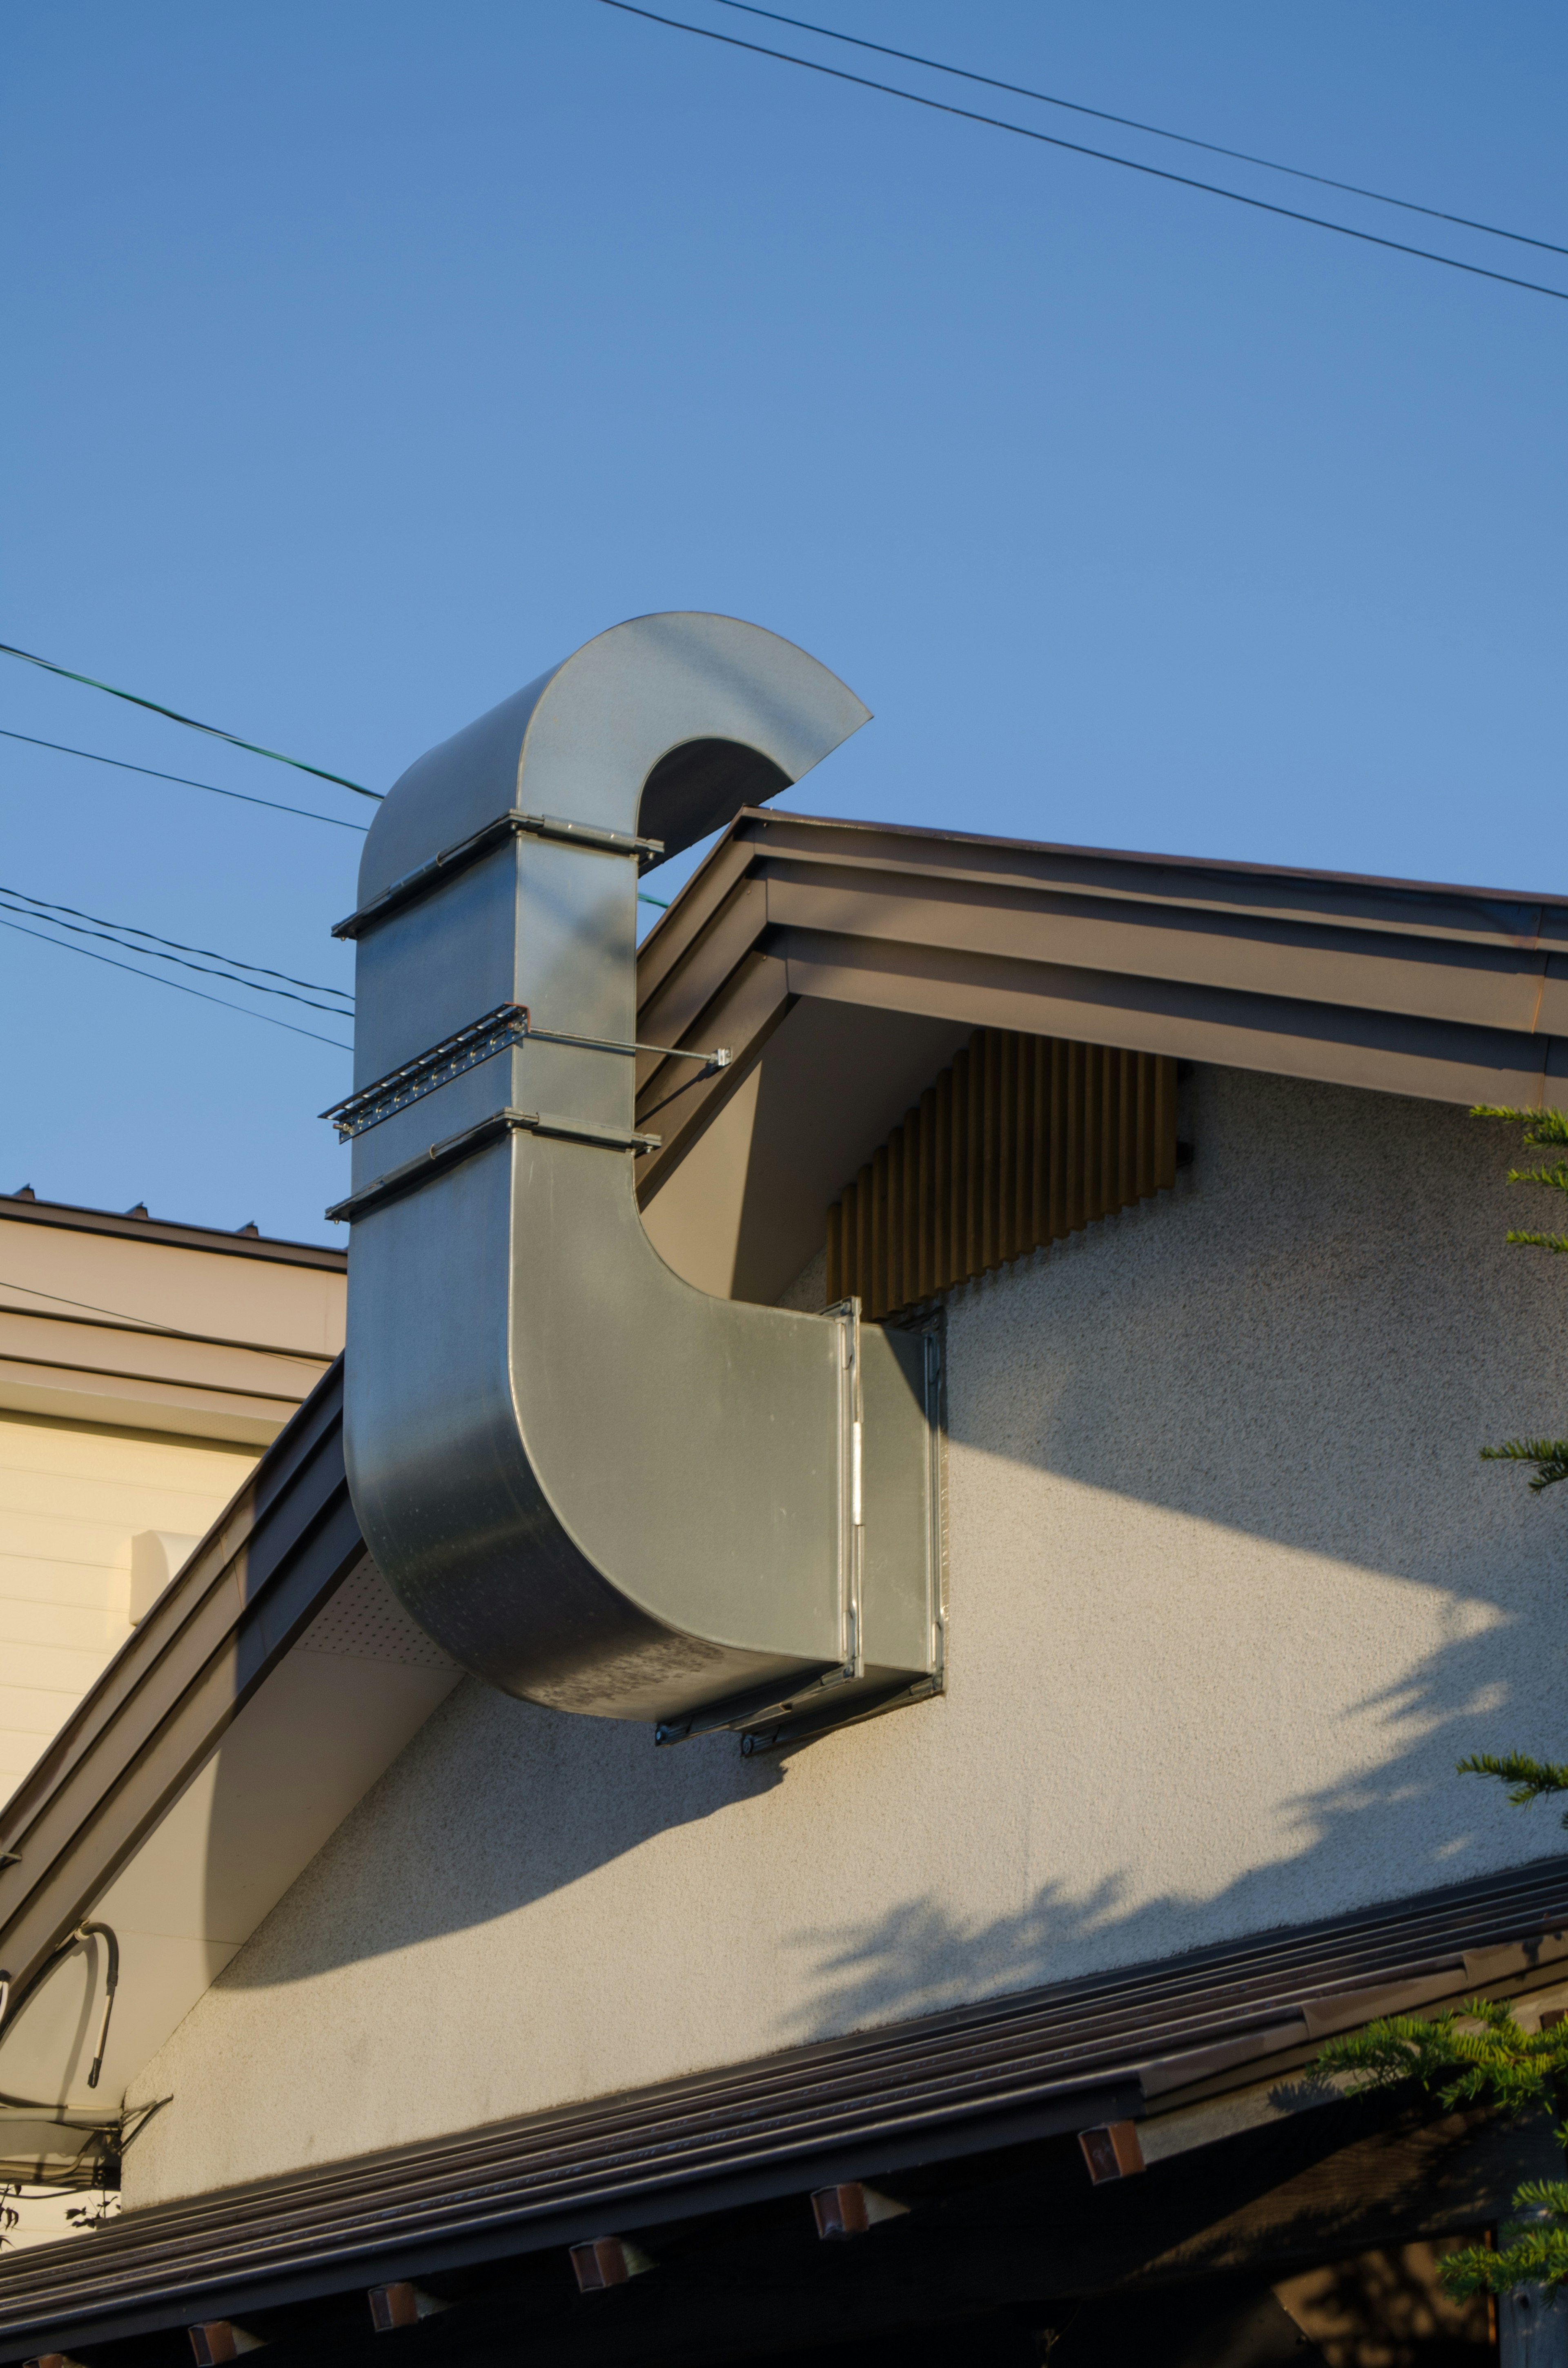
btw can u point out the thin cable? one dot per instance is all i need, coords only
(129, 929)
(205, 970)
(1131, 123)
(143, 1323)
(153, 774)
(657, 901)
(251, 747)
(1077, 148)
(177, 986)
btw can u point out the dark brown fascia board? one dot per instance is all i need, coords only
(945, 2087)
(1490, 983)
(1445, 994)
(1519, 917)
(210, 1238)
(132, 1744)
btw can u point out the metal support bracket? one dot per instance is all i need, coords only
(457, 857)
(481, 1041)
(457, 1147)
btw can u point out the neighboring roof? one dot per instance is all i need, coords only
(122, 1321)
(1451, 994)
(1142, 2042)
(21, 1207)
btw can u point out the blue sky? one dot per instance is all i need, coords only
(365, 359)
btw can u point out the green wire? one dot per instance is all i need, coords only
(174, 716)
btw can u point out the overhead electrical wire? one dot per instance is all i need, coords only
(145, 1324)
(1131, 123)
(231, 962)
(252, 747)
(204, 969)
(177, 986)
(184, 780)
(1077, 148)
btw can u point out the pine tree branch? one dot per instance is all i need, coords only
(1532, 1780)
(1531, 2253)
(1541, 1126)
(1556, 1175)
(1473, 2052)
(1550, 1457)
(1538, 1241)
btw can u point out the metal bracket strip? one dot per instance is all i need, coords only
(481, 1041)
(457, 857)
(458, 1147)
(508, 1024)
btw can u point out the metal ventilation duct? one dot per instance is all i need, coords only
(593, 1485)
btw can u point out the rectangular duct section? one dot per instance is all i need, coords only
(1024, 1140)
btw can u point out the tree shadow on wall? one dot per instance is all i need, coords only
(1409, 1826)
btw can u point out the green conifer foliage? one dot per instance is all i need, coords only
(1544, 1130)
(1480, 2053)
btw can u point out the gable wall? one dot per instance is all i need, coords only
(1230, 1593)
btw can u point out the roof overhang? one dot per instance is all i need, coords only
(1193, 2050)
(842, 962)
(258, 1700)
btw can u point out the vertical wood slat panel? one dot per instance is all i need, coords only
(1022, 1140)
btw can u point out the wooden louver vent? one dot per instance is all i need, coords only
(1024, 1140)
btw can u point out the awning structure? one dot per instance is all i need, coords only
(1210, 2050)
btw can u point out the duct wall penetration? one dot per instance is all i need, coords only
(595, 1485)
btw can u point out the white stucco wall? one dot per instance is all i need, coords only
(1230, 1591)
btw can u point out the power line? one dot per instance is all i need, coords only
(250, 746)
(153, 774)
(177, 986)
(1131, 123)
(145, 1323)
(129, 929)
(1077, 148)
(230, 977)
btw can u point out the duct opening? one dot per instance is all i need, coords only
(701, 786)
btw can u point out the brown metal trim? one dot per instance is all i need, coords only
(1395, 986)
(1435, 1061)
(1061, 2058)
(134, 1742)
(1486, 985)
(210, 1238)
(750, 1004)
(1520, 914)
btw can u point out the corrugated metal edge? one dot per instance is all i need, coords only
(962, 2082)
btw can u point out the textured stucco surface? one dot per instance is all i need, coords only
(1231, 1592)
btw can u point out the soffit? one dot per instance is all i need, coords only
(1448, 994)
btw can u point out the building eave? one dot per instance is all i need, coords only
(971, 2082)
(1448, 994)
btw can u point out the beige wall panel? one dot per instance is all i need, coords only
(1231, 1592)
(72, 1497)
(40, 1621)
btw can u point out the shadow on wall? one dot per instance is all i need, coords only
(1301, 1349)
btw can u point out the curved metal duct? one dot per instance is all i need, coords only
(592, 1484)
